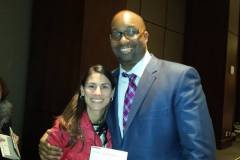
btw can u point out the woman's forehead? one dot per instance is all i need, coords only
(97, 78)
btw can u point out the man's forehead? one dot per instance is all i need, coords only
(128, 23)
(125, 27)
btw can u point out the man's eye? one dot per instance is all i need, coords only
(131, 33)
(116, 34)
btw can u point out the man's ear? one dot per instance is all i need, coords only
(146, 35)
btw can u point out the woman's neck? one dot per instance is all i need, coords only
(96, 117)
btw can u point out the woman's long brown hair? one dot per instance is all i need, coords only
(70, 118)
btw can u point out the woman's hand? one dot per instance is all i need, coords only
(48, 151)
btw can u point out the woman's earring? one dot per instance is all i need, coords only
(82, 97)
(111, 99)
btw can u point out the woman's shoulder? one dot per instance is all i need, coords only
(5, 108)
(6, 104)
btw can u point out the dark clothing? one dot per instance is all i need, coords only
(5, 128)
(169, 118)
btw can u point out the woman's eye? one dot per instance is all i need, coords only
(106, 86)
(91, 86)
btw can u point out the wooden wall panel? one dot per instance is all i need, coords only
(156, 40)
(173, 46)
(176, 11)
(95, 40)
(154, 11)
(212, 48)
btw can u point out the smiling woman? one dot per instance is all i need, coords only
(97, 93)
(82, 123)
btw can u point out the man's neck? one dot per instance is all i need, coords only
(128, 67)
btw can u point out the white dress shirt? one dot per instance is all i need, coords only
(123, 84)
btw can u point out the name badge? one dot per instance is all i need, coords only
(100, 153)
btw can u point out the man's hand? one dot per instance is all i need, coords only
(48, 151)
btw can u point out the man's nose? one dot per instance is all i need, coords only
(123, 39)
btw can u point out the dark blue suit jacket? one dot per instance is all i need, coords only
(169, 119)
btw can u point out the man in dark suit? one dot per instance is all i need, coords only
(168, 117)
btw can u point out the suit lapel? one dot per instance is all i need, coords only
(144, 85)
(116, 75)
(115, 105)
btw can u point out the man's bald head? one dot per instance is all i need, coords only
(128, 17)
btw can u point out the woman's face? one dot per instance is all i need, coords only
(97, 92)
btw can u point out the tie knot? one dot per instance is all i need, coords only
(131, 77)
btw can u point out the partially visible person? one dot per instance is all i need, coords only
(6, 110)
(82, 124)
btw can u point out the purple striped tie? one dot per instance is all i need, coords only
(129, 95)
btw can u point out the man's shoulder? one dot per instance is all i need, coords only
(115, 72)
(162, 63)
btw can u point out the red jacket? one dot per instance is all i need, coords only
(60, 138)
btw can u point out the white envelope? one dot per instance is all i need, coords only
(8, 147)
(100, 153)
